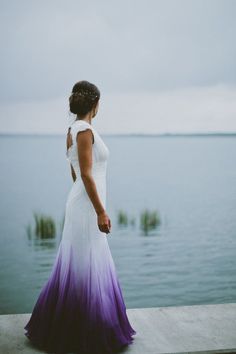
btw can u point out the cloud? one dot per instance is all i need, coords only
(194, 109)
(123, 47)
(160, 65)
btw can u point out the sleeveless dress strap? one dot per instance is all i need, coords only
(79, 126)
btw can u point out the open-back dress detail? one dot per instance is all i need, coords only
(80, 309)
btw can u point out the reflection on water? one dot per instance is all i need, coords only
(41, 245)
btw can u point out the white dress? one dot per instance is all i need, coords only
(81, 309)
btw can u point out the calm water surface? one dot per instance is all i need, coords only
(191, 181)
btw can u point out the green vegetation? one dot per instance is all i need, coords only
(44, 227)
(149, 220)
(122, 218)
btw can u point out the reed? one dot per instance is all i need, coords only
(149, 220)
(45, 226)
(122, 218)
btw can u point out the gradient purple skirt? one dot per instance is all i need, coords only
(81, 309)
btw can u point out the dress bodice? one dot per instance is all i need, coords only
(100, 151)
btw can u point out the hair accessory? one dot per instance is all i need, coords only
(85, 93)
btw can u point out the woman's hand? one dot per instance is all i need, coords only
(104, 222)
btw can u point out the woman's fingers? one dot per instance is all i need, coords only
(104, 223)
(104, 228)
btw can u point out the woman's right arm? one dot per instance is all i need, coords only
(84, 141)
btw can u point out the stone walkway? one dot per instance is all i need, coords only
(179, 329)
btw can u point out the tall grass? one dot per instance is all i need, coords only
(149, 220)
(45, 226)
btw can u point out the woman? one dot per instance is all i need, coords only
(81, 308)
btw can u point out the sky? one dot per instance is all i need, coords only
(161, 66)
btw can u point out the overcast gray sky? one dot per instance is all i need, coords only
(161, 66)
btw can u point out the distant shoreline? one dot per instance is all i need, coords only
(209, 134)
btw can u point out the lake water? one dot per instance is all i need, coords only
(191, 181)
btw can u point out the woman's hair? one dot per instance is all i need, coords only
(83, 98)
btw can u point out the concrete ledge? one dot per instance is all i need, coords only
(181, 329)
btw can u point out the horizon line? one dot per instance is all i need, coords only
(223, 133)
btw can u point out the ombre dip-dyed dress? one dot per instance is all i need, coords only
(81, 309)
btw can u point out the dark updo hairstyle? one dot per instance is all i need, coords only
(83, 98)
